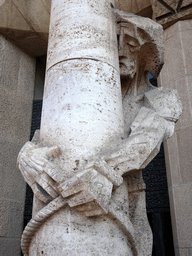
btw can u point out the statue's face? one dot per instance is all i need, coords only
(128, 50)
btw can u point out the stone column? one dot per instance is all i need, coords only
(17, 77)
(82, 112)
(177, 74)
(82, 108)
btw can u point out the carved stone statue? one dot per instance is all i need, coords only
(95, 204)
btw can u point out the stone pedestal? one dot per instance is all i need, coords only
(177, 74)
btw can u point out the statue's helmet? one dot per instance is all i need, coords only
(149, 35)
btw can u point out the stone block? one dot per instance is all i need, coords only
(159, 9)
(186, 37)
(185, 25)
(182, 208)
(15, 124)
(132, 6)
(35, 13)
(182, 252)
(16, 219)
(9, 65)
(4, 218)
(13, 185)
(9, 247)
(183, 89)
(189, 83)
(172, 160)
(17, 69)
(166, 80)
(173, 217)
(168, 12)
(10, 17)
(11, 218)
(26, 24)
(184, 138)
(176, 73)
(171, 31)
(17, 77)
(173, 51)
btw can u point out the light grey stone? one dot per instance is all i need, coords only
(17, 74)
(4, 217)
(77, 169)
(9, 246)
(182, 252)
(178, 159)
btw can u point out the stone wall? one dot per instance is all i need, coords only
(177, 74)
(17, 72)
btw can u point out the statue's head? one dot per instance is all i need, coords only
(140, 45)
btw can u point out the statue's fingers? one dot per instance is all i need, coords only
(31, 182)
(39, 194)
(30, 170)
(91, 206)
(71, 187)
(81, 198)
(53, 172)
(37, 161)
(32, 164)
(49, 181)
(46, 187)
(103, 168)
(27, 147)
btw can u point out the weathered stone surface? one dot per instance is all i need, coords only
(17, 74)
(178, 158)
(78, 167)
(132, 6)
(10, 246)
(170, 11)
(26, 24)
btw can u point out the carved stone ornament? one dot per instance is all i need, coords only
(167, 12)
(85, 166)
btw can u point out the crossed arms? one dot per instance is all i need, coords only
(90, 189)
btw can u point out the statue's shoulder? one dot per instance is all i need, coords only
(165, 101)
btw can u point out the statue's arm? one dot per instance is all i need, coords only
(154, 124)
(90, 189)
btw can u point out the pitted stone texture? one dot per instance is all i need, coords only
(178, 158)
(17, 74)
(71, 238)
(82, 92)
(79, 164)
(88, 31)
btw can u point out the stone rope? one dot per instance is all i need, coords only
(54, 206)
(35, 223)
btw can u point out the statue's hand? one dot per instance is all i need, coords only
(88, 191)
(39, 173)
